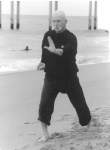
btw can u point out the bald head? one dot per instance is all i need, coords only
(59, 21)
(60, 14)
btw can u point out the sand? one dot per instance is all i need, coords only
(19, 102)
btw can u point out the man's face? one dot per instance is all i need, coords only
(59, 23)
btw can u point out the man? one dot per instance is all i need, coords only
(59, 48)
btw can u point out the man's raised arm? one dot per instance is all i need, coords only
(52, 48)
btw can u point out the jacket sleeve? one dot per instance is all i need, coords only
(71, 46)
(43, 59)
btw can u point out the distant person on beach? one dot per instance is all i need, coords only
(59, 49)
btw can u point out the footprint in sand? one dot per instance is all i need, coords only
(56, 135)
(47, 147)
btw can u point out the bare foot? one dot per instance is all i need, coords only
(86, 128)
(44, 138)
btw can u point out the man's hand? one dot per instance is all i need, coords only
(41, 66)
(52, 48)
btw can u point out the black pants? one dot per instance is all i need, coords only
(72, 87)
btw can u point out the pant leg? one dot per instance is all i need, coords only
(46, 106)
(76, 96)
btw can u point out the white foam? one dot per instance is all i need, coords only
(30, 64)
(92, 59)
(18, 65)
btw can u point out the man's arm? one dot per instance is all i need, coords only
(52, 48)
(41, 65)
(43, 58)
(58, 52)
(71, 46)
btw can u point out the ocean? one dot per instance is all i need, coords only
(93, 45)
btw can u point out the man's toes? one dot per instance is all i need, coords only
(43, 139)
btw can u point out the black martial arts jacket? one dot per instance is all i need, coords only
(60, 67)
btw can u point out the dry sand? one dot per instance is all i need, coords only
(19, 102)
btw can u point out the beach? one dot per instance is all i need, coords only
(19, 102)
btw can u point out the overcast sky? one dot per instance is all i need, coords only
(76, 8)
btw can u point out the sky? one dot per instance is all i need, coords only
(70, 7)
(74, 8)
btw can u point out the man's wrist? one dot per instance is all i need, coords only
(58, 52)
